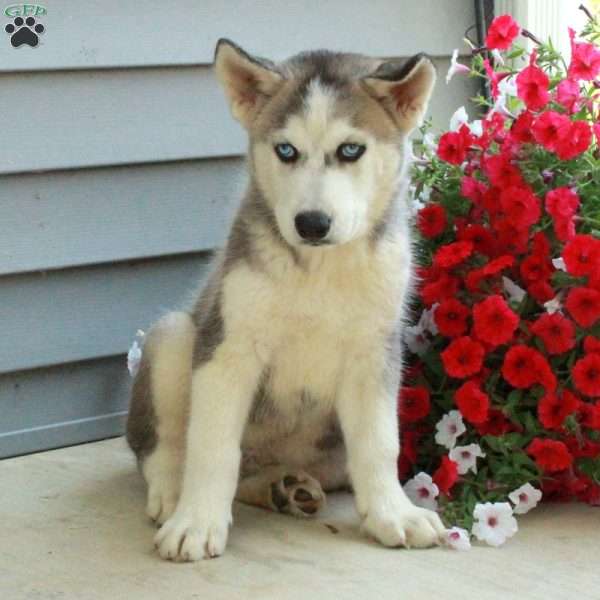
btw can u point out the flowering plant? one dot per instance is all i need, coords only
(500, 402)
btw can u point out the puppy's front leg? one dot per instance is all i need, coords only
(368, 416)
(222, 390)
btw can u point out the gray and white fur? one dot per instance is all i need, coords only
(280, 383)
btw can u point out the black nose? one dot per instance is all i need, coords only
(312, 225)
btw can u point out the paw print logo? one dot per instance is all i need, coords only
(24, 32)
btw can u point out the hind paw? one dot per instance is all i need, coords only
(297, 494)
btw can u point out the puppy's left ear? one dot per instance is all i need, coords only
(403, 89)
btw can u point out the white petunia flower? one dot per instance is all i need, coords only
(514, 292)
(134, 356)
(455, 67)
(525, 498)
(459, 118)
(449, 428)
(495, 523)
(458, 538)
(416, 340)
(553, 305)
(422, 491)
(466, 457)
(559, 263)
(506, 87)
(497, 56)
(427, 322)
(476, 128)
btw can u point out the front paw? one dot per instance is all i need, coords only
(191, 535)
(402, 524)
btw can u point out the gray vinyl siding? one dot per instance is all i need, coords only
(120, 169)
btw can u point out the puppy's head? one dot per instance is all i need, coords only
(326, 135)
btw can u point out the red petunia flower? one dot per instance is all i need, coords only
(472, 189)
(511, 238)
(586, 374)
(446, 475)
(584, 305)
(521, 128)
(498, 265)
(501, 172)
(451, 317)
(562, 202)
(521, 365)
(408, 452)
(503, 30)
(453, 254)
(520, 206)
(591, 344)
(549, 128)
(454, 145)
(496, 424)
(472, 403)
(585, 60)
(532, 85)
(541, 291)
(576, 141)
(567, 94)
(432, 220)
(414, 404)
(564, 228)
(550, 455)
(444, 286)
(540, 245)
(535, 268)
(463, 357)
(556, 331)
(582, 255)
(554, 409)
(493, 321)
(481, 237)
(589, 416)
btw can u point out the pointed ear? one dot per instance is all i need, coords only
(248, 81)
(403, 89)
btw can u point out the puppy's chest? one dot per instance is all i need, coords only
(313, 326)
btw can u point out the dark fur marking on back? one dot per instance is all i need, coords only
(141, 421)
(210, 331)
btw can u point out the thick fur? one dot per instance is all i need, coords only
(280, 383)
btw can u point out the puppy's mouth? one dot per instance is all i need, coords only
(317, 243)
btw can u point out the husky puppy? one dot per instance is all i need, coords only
(280, 383)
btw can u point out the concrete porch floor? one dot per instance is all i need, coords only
(73, 526)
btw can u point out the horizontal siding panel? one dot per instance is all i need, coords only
(95, 118)
(59, 406)
(99, 215)
(113, 33)
(447, 97)
(78, 314)
(86, 119)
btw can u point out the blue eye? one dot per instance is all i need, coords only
(350, 152)
(286, 153)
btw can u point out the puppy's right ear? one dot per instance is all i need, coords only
(248, 81)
